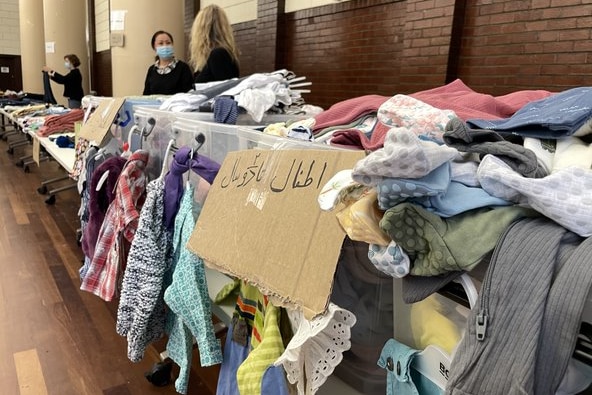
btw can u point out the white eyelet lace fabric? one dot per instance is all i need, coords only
(316, 348)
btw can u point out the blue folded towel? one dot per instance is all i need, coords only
(556, 116)
(64, 142)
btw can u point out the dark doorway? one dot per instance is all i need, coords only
(101, 78)
(11, 75)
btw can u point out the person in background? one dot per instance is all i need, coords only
(167, 75)
(72, 81)
(213, 51)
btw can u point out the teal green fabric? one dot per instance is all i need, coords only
(189, 302)
(396, 358)
(439, 245)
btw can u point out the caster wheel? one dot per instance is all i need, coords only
(10, 151)
(42, 190)
(160, 374)
(26, 169)
(20, 163)
(50, 200)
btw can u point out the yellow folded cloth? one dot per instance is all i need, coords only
(360, 220)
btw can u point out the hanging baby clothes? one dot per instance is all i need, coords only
(234, 355)
(181, 163)
(141, 311)
(238, 339)
(80, 148)
(99, 200)
(316, 348)
(188, 300)
(118, 229)
(83, 189)
(257, 375)
(95, 202)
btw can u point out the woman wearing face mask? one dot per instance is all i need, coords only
(72, 81)
(167, 75)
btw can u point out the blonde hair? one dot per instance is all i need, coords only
(211, 29)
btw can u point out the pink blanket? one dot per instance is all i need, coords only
(346, 111)
(455, 96)
(467, 103)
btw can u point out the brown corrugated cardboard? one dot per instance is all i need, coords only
(261, 222)
(99, 123)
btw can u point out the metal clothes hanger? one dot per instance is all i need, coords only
(151, 122)
(171, 147)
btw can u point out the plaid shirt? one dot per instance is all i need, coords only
(119, 227)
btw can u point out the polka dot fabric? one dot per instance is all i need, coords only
(404, 155)
(564, 196)
(438, 245)
(391, 260)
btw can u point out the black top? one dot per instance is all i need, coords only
(218, 67)
(178, 80)
(72, 84)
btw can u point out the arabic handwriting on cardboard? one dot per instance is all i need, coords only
(299, 173)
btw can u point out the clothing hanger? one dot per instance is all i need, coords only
(98, 156)
(301, 84)
(200, 139)
(127, 146)
(134, 130)
(170, 148)
(151, 122)
(189, 159)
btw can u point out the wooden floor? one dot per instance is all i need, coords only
(54, 338)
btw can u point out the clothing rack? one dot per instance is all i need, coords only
(172, 148)
(200, 139)
(143, 132)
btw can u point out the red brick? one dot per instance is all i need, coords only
(383, 47)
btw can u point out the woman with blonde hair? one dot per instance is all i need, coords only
(213, 52)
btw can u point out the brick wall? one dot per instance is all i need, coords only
(426, 44)
(511, 45)
(246, 40)
(268, 14)
(347, 49)
(401, 46)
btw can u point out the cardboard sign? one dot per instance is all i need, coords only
(261, 222)
(36, 150)
(99, 123)
(77, 127)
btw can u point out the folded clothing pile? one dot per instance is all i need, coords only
(60, 123)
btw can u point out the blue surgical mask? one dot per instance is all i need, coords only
(165, 52)
(67, 65)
